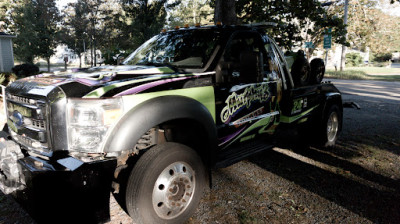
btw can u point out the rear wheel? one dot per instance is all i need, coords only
(165, 185)
(331, 126)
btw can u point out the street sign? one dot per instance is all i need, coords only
(309, 45)
(327, 41)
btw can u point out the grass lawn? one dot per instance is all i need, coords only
(366, 73)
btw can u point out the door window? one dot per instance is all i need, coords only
(244, 57)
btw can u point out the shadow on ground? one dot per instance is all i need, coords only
(357, 189)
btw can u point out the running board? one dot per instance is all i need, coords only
(234, 154)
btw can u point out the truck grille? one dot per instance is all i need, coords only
(23, 100)
(26, 119)
(41, 124)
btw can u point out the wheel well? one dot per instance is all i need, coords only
(188, 132)
(184, 131)
(335, 101)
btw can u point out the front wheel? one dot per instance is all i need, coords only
(165, 185)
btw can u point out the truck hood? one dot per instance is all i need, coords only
(104, 81)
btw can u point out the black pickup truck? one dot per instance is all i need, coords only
(187, 101)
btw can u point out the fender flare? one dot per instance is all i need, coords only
(156, 111)
(333, 98)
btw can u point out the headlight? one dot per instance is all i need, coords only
(88, 122)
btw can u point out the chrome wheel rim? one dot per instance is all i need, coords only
(332, 126)
(173, 190)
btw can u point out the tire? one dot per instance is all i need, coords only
(301, 72)
(331, 126)
(317, 70)
(165, 185)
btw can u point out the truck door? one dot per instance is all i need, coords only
(247, 90)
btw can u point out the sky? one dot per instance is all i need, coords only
(62, 3)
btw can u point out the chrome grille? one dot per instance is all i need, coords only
(20, 99)
(29, 129)
(41, 124)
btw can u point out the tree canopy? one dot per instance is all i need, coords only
(115, 26)
(35, 23)
(190, 12)
(298, 20)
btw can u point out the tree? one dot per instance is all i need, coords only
(47, 16)
(370, 28)
(74, 33)
(190, 12)
(91, 24)
(225, 12)
(5, 20)
(293, 17)
(142, 19)
(35, 23)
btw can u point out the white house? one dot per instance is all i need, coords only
(62, 52)
(6, 52)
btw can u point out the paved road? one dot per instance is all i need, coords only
(395, 65)
(380, 106)
(373, 90)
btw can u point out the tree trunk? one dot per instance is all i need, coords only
(80, 60)
(343, 54)
(225, 12)
(91, 53)
(94, 52)
(48, 64)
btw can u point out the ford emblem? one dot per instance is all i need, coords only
(17, 119)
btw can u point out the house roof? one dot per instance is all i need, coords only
(2, 34)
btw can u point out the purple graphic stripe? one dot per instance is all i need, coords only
(91, 82)
(230, 137)
(88, 82)
(146, 86)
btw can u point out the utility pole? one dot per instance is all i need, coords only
(343, 56)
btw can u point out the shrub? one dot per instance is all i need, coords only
(6, 78)
(25, 70)
(382, 57)
(353, 59)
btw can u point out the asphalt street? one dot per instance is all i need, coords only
(395, 65)
(380, 106)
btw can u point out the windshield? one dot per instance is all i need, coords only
(182, 49)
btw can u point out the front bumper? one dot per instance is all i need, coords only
(66, 187)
